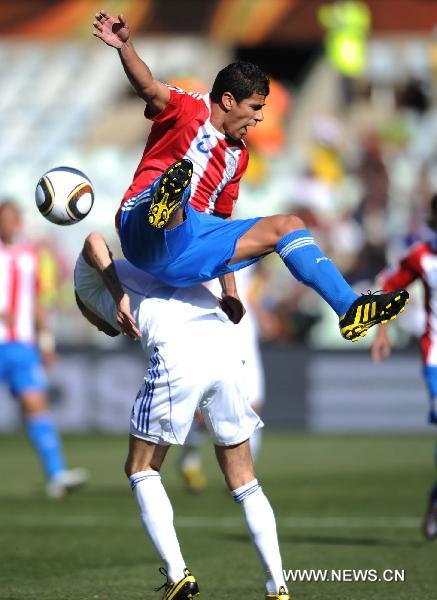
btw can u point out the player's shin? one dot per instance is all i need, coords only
(261, 523)
(47, 443)
(308, 264)
(156, 515)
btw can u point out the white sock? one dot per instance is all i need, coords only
(255, 443)
(261, 523)
(156, 514)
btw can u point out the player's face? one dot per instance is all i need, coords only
(242, 115)
(10, 223)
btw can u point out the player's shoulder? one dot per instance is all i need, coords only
(197, 99)
(419, 249)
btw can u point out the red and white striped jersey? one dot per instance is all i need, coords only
(19, 286)
(183, 129)
(419, 263)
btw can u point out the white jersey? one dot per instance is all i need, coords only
(247, 335)
(160, 310)
(193, 360)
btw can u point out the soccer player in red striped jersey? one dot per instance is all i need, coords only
(420, 263)
(24, 338)
(174, 220)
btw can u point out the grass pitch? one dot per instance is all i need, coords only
(342, 503)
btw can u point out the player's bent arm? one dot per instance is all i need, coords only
(230, 300)
(96, 253)
(154, 93)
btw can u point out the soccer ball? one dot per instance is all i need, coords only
(64, 195)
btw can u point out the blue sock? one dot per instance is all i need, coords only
(47, 443)
(307, 264)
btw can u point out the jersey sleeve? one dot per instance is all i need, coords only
(181, 107)
(407, 271)
(227, 198)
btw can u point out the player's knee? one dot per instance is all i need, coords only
(135, 465)
(128, 467)
(287, 224)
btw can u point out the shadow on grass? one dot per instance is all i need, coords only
(329, 540)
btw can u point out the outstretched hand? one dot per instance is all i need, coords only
(110, 30)
(233, 307)
(381, 346)
(125, 319)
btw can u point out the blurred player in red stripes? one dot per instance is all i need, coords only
(25, 344)
(420, 263)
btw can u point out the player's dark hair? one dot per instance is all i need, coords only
(242, 79)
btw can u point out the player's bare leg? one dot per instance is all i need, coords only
(237, 467)
(142, 467)
(287, 235)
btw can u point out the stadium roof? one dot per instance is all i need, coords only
(237, 22)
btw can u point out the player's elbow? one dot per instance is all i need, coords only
(92, 241)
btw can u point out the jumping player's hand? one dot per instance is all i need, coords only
(126, 320)
(233, 307)
(381, 347)
(110, 30)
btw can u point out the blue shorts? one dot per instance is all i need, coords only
(197, 250)
(21, 368)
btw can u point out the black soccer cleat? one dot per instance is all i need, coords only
(184, 589)
(172, 192)
(429, 525)
(369, 310)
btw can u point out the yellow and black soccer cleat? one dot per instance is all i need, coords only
(281, 595)
(172, 192)
(194, 479)
(184, 589)
(369, 310)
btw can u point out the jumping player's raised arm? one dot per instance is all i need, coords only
(115, 33)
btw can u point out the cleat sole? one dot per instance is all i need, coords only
(169, 195)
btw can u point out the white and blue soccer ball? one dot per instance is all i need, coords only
(64, 195)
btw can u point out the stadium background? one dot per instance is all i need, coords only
(348, 143)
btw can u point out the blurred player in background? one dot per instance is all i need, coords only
(419, 263)
(185, 371)
(169, 226)
(25, 344)
(190, 460)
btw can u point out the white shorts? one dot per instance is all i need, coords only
(200, 368)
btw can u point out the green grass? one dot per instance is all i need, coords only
(341, 503)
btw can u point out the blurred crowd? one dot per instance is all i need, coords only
(363, 185)
(360, 174)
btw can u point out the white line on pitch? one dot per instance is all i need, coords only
(217, 523)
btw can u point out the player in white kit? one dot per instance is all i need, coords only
(191, 362)
(246, 334)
